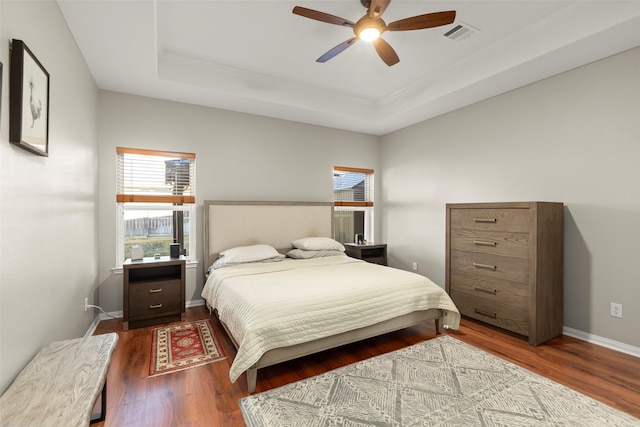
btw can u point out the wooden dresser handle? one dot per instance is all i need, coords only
(155, 306)
(490, 220)
(155, 291)
(485, 313)
(487, 290)
(485, 266)
(484, 243)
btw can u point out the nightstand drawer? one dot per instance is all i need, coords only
(502, 315)
(501, 291)
(492, 266)
(492, 242)
(489, 219)
(153, 298)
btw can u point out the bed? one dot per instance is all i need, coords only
(288, 308)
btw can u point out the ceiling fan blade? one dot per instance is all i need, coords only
(377, 8)
(421, 22)
(386, 52)
(322, 17)
(336, 50)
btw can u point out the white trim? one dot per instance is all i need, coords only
(604, 342)
(122, 207)
(195, 303)
(119, 234)
(93, 326)
(369, 220)
(118, 314)
(112, 314)
(584, 336)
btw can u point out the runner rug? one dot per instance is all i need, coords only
(440, 382)
(183, 346)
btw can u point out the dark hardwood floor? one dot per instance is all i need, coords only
(204, 396)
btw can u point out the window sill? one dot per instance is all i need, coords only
(190, 264)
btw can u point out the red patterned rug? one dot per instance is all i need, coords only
(183, 346)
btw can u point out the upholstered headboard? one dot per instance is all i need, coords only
(231, 224)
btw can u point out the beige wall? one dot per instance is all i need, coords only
(238, 157)
(573, 138)
(48, 205)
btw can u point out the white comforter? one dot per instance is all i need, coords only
(272, 305)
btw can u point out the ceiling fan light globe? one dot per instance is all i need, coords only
(369, 34)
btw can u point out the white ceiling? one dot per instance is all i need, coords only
(258, 57)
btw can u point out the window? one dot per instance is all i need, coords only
(353, 203)
(156, 201)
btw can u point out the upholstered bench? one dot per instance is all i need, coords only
(61, 384)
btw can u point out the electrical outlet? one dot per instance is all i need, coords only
(415, 266)
(86, 304)
(616, 310)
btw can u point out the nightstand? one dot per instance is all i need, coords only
(153, 291)
(370, 252)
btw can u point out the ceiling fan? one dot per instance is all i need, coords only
(371, 26)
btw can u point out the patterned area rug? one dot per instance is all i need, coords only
(440, 382)
(183, 346)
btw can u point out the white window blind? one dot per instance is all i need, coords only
(352, 187)
(150, 176)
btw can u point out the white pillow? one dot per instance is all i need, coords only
(245, 254)
(318, 244)
(302, 254)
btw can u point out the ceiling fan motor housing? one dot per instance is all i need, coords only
(367, 22)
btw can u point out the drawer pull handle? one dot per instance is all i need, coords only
(490, 220)
(485, 313)
(484, 243)
(155, 291)
(487, 290)
(155, 306)
(485, 266)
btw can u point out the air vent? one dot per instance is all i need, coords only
(460, 32)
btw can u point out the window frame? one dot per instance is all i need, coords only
(366, 206)
(120, 243)
(159, 202)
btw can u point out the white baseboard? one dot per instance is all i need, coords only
(92, 327)
(118, 314)
(195, 303)
(584, 336)
(604, 342)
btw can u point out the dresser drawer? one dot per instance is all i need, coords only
(512, 318)
(154, 298)
(501, 291)
(490, 219)
(493, 242)
(491, 266)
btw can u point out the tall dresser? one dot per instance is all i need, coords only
(504, 265)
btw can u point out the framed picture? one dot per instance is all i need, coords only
(1, 94)
(28, 100)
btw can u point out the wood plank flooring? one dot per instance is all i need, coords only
(204, 396)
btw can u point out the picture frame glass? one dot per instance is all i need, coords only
(34, 104)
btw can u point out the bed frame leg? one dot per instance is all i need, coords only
(438, 325)
(252, 377)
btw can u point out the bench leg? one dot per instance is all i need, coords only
(99, 417)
